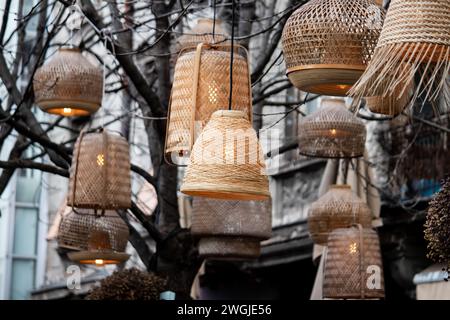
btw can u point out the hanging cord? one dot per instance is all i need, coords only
(233, 14)
(107, 35)
(214, 22)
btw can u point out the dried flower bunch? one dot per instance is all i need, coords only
(437, 225)
(129, 284)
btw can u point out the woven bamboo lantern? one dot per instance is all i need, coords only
(328, 43)
(100, 172)
(353, 268)
(230, 229)
(201, 86)
(331, 132)
(337, 208)
(202, 32)
(227, 160)
(68, 85)
(95, 238)
(416, 32)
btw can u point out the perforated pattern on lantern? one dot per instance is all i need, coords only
(212, 94)
(68, 84)
(227, 161)
(100, 172)
(77, 230)
(202, 32)
(328, 43)
(353, 255)
(230, 228)
(331, 132)
(339, 207)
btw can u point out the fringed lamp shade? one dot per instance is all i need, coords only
(353, 268)
(331, 132)
(416, 32)
(100, 172)
(95, 238)
(328, 43)
(337, 208)
(227, 160)
(201, 86)
(68, 85)
(203, 32)
(231, 229)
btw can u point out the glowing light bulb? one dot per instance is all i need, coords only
(333, 131)
(353, 248)
(343, 86)
(99, 262)
(100, 159)
(67, 110)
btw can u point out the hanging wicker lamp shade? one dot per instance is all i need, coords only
(415, 32)
(201, 86)
(227, 160)
(339, 207)
(353, 268)
(203, 32)
(95, 238)
(331, 132)
(230, 229)
(68, 85)
(100, 172)
(328, 43)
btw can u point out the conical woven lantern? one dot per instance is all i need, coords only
(100, 172)
(328, 43)
(201, 86)
(415, 32)
(227, 160)
(230, 229)
(202, 32)
(331, 132)
(339, 207)
(353, 268)
(68, 85)
(95, 238)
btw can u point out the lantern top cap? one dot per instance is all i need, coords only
(340, 186)
(237, 114)
(332, 102)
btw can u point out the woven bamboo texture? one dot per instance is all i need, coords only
(229, 248)
(327, 44)
(227, 160)
(77, 231)
(351, 251)
(192, 104)
(100, 172)
(68, 84)
(331, 132)
(416, 32)
(338, 208)
(202, 32)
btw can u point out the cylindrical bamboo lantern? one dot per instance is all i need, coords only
(68, 85)
(230, 229)
(202, 32)
(97, 238)
(201, 86)
(353, 267)
(100, 172)
(227, 160)
(339, 207)
(415, 32)
(331, 132)
(327, 44)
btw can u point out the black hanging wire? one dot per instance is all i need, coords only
(214, 22)
(233, 13)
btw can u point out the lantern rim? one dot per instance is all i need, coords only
(230, 248)
(89, 257)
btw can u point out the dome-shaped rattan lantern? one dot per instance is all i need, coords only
(201, 86)
(339, 207)
(95, 238)
(230, 229)
(415, 32)
(100, 172)
(202, 32)
(353, 267)
(328, 43)
(68, 85)
(331, 132)
(227, 160)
